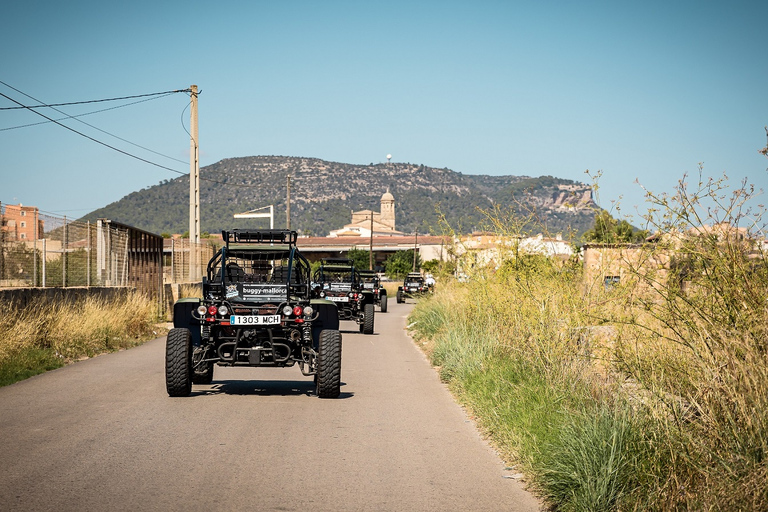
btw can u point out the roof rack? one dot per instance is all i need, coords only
(337, 261)
(275, 236)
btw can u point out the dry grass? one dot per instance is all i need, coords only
(59, 331)
(652, 395)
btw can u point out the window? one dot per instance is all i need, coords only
(23, 224)
(610, 281)
(23, 213)
(23, 236)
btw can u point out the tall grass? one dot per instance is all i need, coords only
(650, 396)
(47, 334)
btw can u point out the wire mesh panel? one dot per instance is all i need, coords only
(179, 258)
(42, 250)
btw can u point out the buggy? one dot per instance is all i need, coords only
(370, 281)
(413, 286)
(256, 311)
(338, 281)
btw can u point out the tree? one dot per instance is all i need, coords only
(400, 263)
(360, 258)
(608, 230)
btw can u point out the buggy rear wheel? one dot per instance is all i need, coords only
(368, 314)
(178, 362)
(383, 302)
(328, 378)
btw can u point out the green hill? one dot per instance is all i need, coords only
(323, 194)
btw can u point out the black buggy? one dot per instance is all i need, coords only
(256, 311)
(413, 286)
(370, 281)
(337, 281)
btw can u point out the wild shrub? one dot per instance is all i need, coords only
(652, 394)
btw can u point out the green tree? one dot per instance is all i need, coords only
(400, 263)
(360, 258)
(608, 230)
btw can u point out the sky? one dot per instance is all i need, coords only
(640, 92)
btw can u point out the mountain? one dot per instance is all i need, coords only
(323, 195)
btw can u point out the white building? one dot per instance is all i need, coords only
(383, 223)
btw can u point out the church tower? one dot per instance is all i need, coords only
(388, 210)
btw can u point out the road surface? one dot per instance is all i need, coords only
(103, 435)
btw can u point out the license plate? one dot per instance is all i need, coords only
(254, 320)
(338, 299)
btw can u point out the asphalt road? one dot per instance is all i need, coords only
(103, 435)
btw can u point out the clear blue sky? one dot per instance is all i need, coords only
(639, 90)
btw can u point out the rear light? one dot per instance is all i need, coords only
(287, 310)
(308, 311)
(202, 310)
(212, 310)
(297, 311)
(223, 310)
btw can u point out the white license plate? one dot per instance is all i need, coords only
(254, 320)
(338, 299)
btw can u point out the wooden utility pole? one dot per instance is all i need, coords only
(415, 246)
(370, 247)
(288, 203)
(194, 190)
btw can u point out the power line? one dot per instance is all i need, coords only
(91, 138)
(89, 101)
(31, 109)
(155, 96)
(83, 115)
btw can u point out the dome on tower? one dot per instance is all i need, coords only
(387, 196)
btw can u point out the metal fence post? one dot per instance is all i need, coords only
(88, 254)
(64, 255)
(45, 257)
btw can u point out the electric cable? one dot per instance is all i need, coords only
(89, 101)
(83, 115)
(99, 129)
(31, 109)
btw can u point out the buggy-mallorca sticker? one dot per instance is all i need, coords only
(264, 292)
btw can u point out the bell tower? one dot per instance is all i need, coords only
(388, 210)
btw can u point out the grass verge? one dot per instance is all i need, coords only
(633, 421)
(46, 335)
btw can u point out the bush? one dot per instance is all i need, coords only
(651, 395)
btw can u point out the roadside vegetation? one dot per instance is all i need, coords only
(649, 394)
(45, 335)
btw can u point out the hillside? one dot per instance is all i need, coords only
(324, 193)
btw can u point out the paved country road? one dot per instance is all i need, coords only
(103, 435)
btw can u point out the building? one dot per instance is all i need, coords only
(364, 221)
(20, 223)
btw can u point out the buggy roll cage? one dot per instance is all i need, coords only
(280, 241)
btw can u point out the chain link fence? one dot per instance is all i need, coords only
(185, 262)
(48, 251)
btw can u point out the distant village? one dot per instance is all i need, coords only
(113, 262)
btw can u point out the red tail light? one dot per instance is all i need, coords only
(212, 310)
(297, 311)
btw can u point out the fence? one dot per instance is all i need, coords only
(184, 262)
(48, 251)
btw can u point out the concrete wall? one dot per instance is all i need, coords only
(26, 296)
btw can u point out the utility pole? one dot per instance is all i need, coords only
(415, 245)
(370, 247)
(194, 190)
(288, 203)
